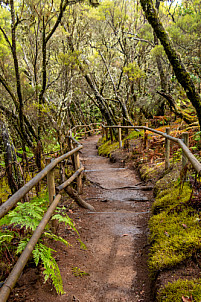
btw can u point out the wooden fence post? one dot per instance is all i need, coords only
(51, 193)
(62, 171)
(111, 135)
(106, 134)
(185, 138)
(71, 148)
(146, 137)
(119, 137)
(167, 150)
(79, 178)
(103, 131)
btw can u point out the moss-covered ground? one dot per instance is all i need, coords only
(181, 290)
(106, 148)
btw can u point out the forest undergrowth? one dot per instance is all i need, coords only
(16, 229)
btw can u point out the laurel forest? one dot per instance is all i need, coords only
(65, 63)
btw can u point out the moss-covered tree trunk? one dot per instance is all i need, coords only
(13, 172)
(181, 73)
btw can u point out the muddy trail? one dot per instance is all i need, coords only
(113, 268)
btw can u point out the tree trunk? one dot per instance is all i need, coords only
(181, 73)
(175, 109)
(13, 172)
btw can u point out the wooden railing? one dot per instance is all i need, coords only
(183, 143)
(92, 129)
(53, 202)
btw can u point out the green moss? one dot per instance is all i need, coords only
(107, 148)
(175, 232)
(173, 292)
(169, 179)
(134, 135)
(153, 172)
(171, 197)
(4, 189)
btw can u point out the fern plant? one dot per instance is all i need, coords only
(27, 216)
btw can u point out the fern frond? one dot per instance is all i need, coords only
(4, 237)
(36, 255)
(5, 220)
(27, 215)
(57, 238)
(67, 220)
(51, 269)
(82, 245)
(21, 246)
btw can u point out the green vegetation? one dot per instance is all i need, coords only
(17, 227)
(77, 272)
(107, 148)
(134, 134)
(173, 196)
(173, 292)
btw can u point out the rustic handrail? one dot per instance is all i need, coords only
(193, 160)
(9, 204)
(77, 126)
(69, 181)
(85, 126)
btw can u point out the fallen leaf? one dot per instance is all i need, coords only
(187, 299)
(184, 226)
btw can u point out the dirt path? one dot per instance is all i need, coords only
(115, 235)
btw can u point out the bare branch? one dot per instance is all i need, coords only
(6, 37)
(62, 9)
(8, 89)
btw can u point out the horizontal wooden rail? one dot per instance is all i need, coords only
(75, 141)
(77, 126)
(20, 264)
(70, 180)
(11, 202)
(73, 129)
(193, 160)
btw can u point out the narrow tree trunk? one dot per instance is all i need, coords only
(163, 80)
